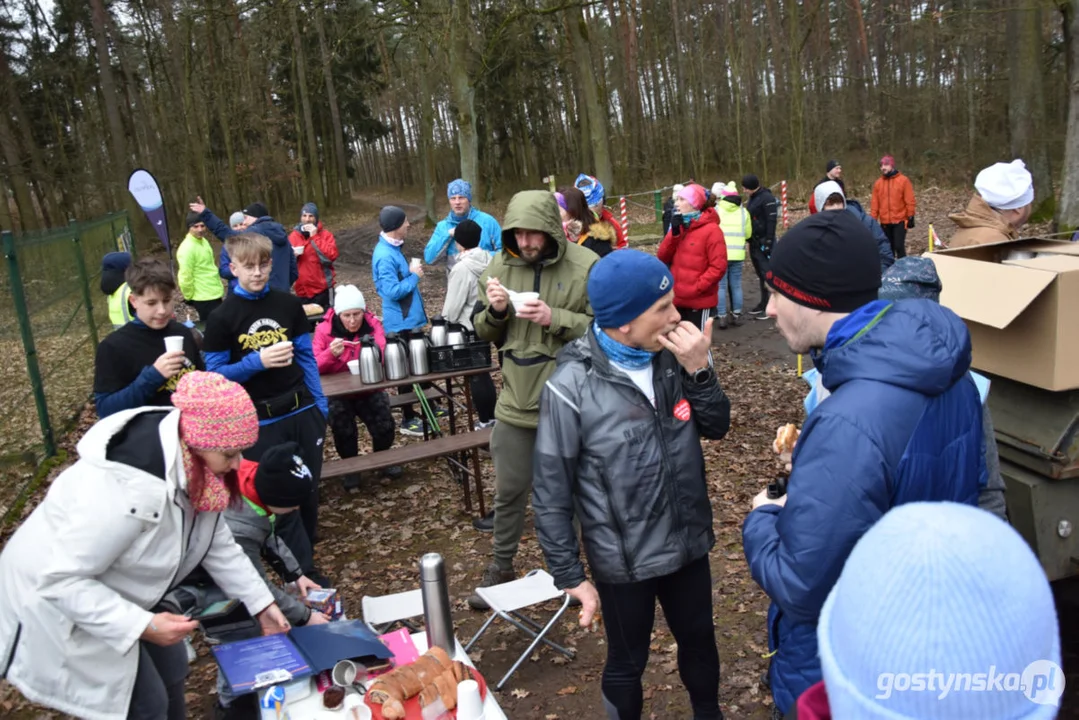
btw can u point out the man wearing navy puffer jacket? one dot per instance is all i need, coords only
(903, 423)
(283, 272)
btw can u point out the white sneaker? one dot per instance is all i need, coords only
(484, 425)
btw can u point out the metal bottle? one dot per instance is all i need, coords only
(396, 358)
(436, 603)
(417, 353)
(456, 336)
(438, 331)
(370, 362)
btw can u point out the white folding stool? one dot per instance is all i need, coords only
(381, 612)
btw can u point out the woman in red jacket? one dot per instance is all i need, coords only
(316, 251)
(695, 251)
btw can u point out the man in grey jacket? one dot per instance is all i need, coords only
(618, 445)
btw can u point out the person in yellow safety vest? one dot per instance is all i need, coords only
(737, 227)
(113, 267)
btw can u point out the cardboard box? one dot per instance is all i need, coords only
(1023, 314)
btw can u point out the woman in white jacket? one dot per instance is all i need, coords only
(80, 579)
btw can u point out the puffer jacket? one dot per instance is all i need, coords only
(283, 272)
(884, 247)
(398, 287)
(331, 328)
(893, 199)
(697, 259)
(80, 578)
(608, 217)
(903, 424)
(561, 280)
(315, 276)
(601, 238)
(632, 473)
(980, 224)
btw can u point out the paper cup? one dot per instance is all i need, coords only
(354, 367)
(469, 702)
(174, 343)
(284, 342)
(519, 299)
(298, 249)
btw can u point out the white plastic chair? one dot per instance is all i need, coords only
(508, 598)
(382, 612)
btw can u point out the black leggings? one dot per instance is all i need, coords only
(897, 238)
(159, 683)
(629, 612)
(373, 410)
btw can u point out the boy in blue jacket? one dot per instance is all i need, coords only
(903, 423)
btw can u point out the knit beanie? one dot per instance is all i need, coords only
(256, 210)
(825, 190)
(193, 218)
(888, 160)
(592, 189)
(677, 189)
(282, 479)
(693, 194)
(459, 187)
(309, 208)
(467, 234)
(623, 284)
(348, 297)
(911, 277)
(215, 413)
(827, 262)
(236, 218)
(831, 165)
(1006, 186)
(391, 218)
(750, 182)
(942, 611)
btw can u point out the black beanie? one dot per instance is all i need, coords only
(468, 234)
(193, 218)
(391, 217)
(750, 182)
(827, 262)
(831, 165)
(283, 479)
(256, 210)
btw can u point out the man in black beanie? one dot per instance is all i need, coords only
(196, 270)
(764, 214)
(902, 422)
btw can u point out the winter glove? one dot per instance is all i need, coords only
(676, 225)
(910, 223)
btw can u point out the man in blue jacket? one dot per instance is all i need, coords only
(441, 244)
(903, 423)
(283, 272)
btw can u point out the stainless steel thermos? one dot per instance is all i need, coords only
(436, 603)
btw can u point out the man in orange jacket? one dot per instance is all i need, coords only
(893, 205)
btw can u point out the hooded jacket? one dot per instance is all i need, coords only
(80, 577)
(283, 273)
(697, 259)
(461, 289)
(331, 328)
(619, 235)
(398, 287)
(632, 473)
(196, 270)
(903, 423)
(561, 279)
(441, 245)
(601, 238)
(980, 224)
(313, 273)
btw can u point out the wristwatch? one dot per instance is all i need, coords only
(701, 376)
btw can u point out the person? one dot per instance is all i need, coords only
(832, 171)
(944, 596)
(236, 221)
(462, 294)
(316, 251)
(903, 423)
(133, 367)
(261, 338)
(397, 282)
(115, 289)
(441, 244)
(283, 271)
(830, 196)
(594, 195)
(763, 214)
(535, 257)
(668, 206)
(80, 579)
(636, 483)
(581, 226)
(196, 270)
(892, 205)
(336, 343)
(696, 253)
(736, 226)
(1002, 203)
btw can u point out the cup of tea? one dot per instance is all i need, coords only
(298, 249)
(354, 367)
(174, 343)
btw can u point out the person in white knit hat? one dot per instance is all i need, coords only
(942, 611)
(1002, 203)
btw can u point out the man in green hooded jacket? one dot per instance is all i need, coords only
(535, 258)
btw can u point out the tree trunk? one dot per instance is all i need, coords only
(597, 116)
(119, 160)
(20, 183)
(315, 173)
(343, 184)
(1026, 104)
(1068, 212)
(463, 89)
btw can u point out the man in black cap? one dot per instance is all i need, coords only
(763, 213)
(196, 271)
(902, 423)
(283, 272)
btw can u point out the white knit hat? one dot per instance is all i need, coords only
(348, 297)
(825, 190)
(1006, 186)
(678, 187)
(942, 611)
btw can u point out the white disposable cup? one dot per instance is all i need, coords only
(469, 702)
(174, 343)
(354, 367)
(298, 249)
(519, 299)
(284, 342)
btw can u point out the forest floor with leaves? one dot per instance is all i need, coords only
(373, 538)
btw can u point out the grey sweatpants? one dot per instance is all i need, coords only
(511, 450)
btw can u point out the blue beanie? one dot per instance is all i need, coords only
(623, 284)
(937, 593)
(459, 187)
(592, 189)
(310, 208)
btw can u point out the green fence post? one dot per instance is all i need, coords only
(80, 264)
(659, 206)
(18, 295)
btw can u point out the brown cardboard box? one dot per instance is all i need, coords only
(1023, 314)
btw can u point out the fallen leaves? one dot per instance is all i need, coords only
(519, 693)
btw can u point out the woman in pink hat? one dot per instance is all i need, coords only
(694, 250)
(81, 579)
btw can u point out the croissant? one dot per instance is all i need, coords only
(786, 437)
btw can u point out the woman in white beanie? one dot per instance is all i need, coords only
(1002, 203)
(942, 611)
(336, 342)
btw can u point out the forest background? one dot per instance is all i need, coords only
(292, 100)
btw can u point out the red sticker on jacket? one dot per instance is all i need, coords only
(681, 410)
